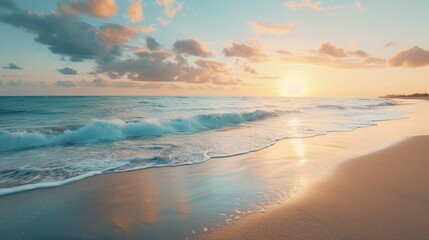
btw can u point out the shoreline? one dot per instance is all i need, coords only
(49, 185)
(192, 200)
(381, 195)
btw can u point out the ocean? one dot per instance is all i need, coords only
(51, 141)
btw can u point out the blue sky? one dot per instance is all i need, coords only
(358, 48)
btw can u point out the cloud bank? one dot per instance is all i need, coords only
(65, 34)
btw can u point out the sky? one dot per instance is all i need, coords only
(304, 48)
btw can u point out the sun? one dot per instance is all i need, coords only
(292, 85)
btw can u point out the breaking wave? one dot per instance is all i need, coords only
(117, 129)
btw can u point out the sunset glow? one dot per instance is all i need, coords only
(213, 48)
(293, 85)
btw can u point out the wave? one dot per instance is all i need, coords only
(379, 105)
(28, 111)
(331, 107)
(117, 129)
(368, 106)
(12, 111)
(384, 104)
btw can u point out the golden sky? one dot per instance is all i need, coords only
(173, 47)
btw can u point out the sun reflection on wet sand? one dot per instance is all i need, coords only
(129, 204)
(146, 200)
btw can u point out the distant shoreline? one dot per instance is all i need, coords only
(410, 96)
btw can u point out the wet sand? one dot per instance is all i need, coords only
(383, 195)
(194, 200)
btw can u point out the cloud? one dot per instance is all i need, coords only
(67, 71)
(316, 6)
(163, 21)
(261, 27)
(22, 83)
(65, 83)
(332, 56)
(245, 51)
(135, 12)
(327, 48)
(12, 67)
(370, 62)
(212, 66)
(249, 69)
(268, 77)
(305, 4)
(152, 44)
(68, 36)
(111, 34)
(64, 35)
(213, 72)
(388, 44)
(359, 6)
(133, 48)
(101, 82)
(8, 4)
(245, 67)
(191, 47)
(412, 57)
(171, 7)
(375, 61)
(144, 66)
(283, 52)
(359, 53)
(161, 66)
(96, 8)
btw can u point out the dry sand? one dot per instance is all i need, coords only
(383, 195)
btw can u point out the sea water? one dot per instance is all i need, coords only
(50, 141)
